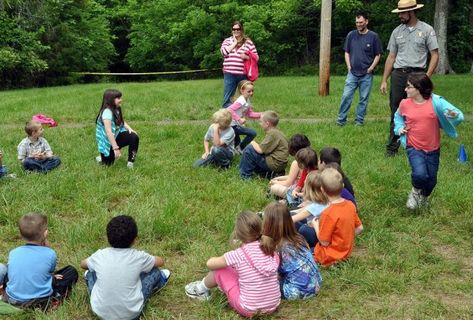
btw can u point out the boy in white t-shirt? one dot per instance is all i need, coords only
(121, 279)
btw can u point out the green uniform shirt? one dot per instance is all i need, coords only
(275, 150)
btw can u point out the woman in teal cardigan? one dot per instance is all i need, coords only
(418, 121)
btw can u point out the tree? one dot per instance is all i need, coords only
(440, 26)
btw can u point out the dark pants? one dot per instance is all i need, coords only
(253, 162)
(123, 139)
(219, 156)
(230, 83)
(307, 232)
(244, 131)
(43, 166)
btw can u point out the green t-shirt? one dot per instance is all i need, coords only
(275, 150)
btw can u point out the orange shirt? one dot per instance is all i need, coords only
(337, 226)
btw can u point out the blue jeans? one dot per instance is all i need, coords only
(307, 232)
(43, 166)
(352, 82)
(150, 281)
(230, 83)
(249, 133)
(3, 171)
(424, 166)
(219, 156)
(253, 162)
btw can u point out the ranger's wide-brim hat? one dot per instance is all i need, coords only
(407, 5)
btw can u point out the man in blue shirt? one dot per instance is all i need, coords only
(362, 52)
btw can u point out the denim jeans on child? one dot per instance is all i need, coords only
(230, 83)
(3, 273)
(424, 166)
(352, 82)
(43, 166)
(3, 171)
(150, 281)
(219, 156)
(249, 133)
(253, 162)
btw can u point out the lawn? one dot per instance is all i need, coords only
(406, 265)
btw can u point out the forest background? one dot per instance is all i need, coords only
(43, 43)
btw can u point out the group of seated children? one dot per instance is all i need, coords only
(119, 278)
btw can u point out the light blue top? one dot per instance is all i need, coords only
(441, 106)
(30, 269)
(316, 209)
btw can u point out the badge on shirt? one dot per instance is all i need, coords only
(419, 34)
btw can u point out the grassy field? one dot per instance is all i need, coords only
(406, 265)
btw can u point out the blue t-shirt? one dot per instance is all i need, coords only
(30, 269)
(363, 48)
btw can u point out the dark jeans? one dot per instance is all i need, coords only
(249, 133)
(424, 166)
(219, 156)
(123, 139)
(150, 281)
(43, 166)
(253, 162)
(307, 232)
(230, 83)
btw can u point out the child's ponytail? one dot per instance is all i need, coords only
(267, 245)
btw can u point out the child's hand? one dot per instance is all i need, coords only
(117, 153)
(296, 193)
(205, 155)
(403, 130)
(58, 276)
(242, 121)
(130, 130)
(451, 114)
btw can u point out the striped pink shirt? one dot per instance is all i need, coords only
(258, 278)
(232, 62)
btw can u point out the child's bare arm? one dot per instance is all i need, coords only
(158, 262)
(316, 223)
(216, 263)
(301, 215)
(83, 264)
(358, 229)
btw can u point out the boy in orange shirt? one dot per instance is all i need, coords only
(338, 224)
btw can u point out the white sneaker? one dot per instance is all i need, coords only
(98, 159)
(192, 291)
(414, 199)
(130, 165)
(166, 273)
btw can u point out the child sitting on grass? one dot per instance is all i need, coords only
(307, 161)
(338, 225)
(248, 275)
(121, 279)
(299, 275)
(34, 151)
(328, 155)
(279, 185)
(4, 170)
(269, 158)
(31, 278)
(221, 136)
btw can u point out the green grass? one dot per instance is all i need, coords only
(406, 265)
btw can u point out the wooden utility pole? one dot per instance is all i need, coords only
(324, 54)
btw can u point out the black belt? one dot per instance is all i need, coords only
(409, 70)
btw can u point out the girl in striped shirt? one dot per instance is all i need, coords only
(234, 50)
(248, 276)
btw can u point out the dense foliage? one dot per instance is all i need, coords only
(44, 41)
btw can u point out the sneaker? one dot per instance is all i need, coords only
(98, 159)
(415, 199)
(193, 292)
(358, 123)
(167, 274)
(130, 165)
(340, 124)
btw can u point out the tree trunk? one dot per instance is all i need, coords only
(325, 41)
(471, 26)
(440, 26)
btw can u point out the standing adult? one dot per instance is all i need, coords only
(362, 52)
(235, 51)
(408, 47)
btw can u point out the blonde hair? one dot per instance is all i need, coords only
(332, 181)
(31, 127)
(241, 85)
(223, 118)
(32, 226)
(270, 117)
(312, 188)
